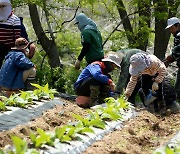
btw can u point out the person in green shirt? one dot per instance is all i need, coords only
(91, 40)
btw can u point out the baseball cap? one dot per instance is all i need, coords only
(172, 21)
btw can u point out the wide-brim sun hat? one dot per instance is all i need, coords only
(172, 21)
(114, 58)
(138, 63)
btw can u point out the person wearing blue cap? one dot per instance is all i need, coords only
(91, 40)
(173, 25)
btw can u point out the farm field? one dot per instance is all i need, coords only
(141, 134)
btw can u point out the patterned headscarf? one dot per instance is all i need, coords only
(138, 63)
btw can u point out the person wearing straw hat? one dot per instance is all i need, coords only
(91, 40)
(94, 83)
(17, 68)
(173, 25)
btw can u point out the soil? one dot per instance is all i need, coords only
(139, 135)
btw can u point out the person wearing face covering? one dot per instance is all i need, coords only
(11, 28)
(91, 40)
(94, 83)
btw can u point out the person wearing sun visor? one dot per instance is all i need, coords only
(91, 40)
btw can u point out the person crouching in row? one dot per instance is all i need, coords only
(17, 68)
(94, 83)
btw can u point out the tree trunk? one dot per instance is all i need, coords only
(48, 45)
(126, 24)
(144, 24)
(161, 35)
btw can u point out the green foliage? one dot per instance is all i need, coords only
(44, 91)
(2, 106)
(17, 101)
(42, 138)
(95, 121)
(20, 145)
(60, 133)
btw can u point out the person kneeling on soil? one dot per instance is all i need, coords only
(94, 83)
(17, 68)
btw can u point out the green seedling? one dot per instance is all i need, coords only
(61, 134)
(41, 138)
(20, 145)
(2, 106)
(44, 92)
(17, 101)
(28, 95)
(94, 121)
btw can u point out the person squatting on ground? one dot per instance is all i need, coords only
(173, 25)
(91, 40)
(11, 28)
(152, 72)
(94, 83)
(17, 68)
(124, 75)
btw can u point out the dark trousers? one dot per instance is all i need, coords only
(4, 51)
(83, 89)
(165, 93)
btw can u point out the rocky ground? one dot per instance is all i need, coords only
(140, 135)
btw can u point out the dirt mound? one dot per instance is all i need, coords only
(140, 135)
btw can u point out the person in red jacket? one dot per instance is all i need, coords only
(94, 83)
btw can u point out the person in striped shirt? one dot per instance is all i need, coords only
(151, 71)
(11, 28)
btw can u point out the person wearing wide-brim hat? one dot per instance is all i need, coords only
(17, 68)
(94, 83)
(173, 25)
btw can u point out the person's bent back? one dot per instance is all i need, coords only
(17, 68)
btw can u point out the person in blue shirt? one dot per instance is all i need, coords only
(17, 67)
(94, 83)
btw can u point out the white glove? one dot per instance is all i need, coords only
(77, 64)
(155, 86)
(112, 86)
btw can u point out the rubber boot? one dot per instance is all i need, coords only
(94, 95)
(103, 93)
(27, 84)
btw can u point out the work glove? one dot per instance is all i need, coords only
(77, 64)
(155, 86)
(112, 86)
